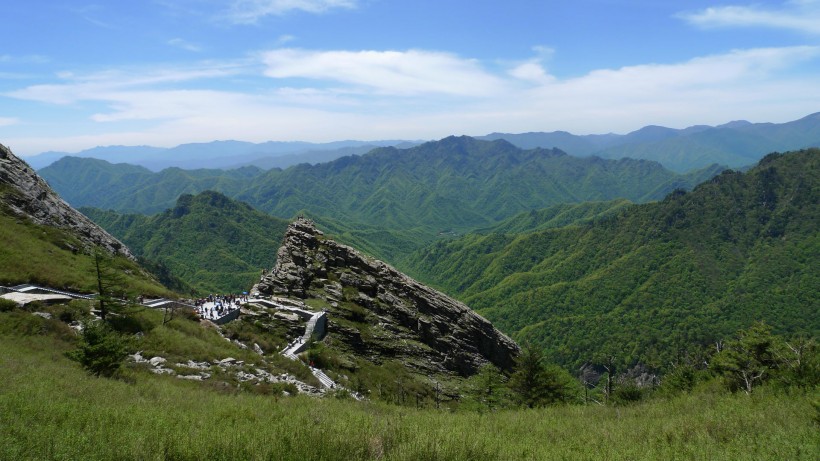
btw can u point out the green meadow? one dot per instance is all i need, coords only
(50, 408)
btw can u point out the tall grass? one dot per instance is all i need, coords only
(43, 255)
(51, 409)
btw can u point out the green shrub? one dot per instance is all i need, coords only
(7, 305)
(73, 311)
(101, 350)
(627, 393)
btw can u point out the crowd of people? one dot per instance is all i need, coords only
(215, 306)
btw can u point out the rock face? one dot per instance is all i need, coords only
(28, 195)
(423, 327)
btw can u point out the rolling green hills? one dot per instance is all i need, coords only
(455, 184)
(458, 182)
(213, 243)
(655, 278)
(135, 189)
(389, 201)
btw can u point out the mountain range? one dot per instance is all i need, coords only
(453, 185)
(641, 282)
(221, 154)
(736, 144)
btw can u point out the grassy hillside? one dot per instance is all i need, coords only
(45, 255)
(655, 278)
(213, 243)
(51, 409)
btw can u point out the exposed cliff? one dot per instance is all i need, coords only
(381, 313)
(27, 195)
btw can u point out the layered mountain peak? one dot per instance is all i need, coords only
(425, 329)
(27, 195)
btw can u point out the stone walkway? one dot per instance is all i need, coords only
(302, 343)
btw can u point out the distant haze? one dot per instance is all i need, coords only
(735, 144)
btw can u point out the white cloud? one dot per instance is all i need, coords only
(531, 71)
(251, 11)
(101, 86)
(285, 39)
(185, 45)
(406, 73)
(331, 95)
(802, 16)
(747, 84)
(8, 121)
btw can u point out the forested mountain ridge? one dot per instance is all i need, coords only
(737, 144)
(213, 243)
(656, 278)
(390, 201)
(220, 154)
(135, 189)
(454, 183)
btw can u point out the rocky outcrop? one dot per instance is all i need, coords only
(423, 327)
(27, 195)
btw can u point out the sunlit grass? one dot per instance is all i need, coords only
(43, 255)
(51, 409)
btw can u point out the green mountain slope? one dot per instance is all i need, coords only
(454, 184)
(209, 241)
(44, 255)
(646, 283)
(134, 189)
(556, 216)
(395, 195)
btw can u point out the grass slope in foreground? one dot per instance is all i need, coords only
(51, 409)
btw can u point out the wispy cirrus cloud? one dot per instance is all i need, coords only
(185, 45)
(251, 11)
(101, 85)
(800, 15)
(8, 121)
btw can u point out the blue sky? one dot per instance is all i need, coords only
(75, 75)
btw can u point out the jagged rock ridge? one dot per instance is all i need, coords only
(31, 197)
(451, 337)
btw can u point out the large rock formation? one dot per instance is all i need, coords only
(422, 327)
(27, 195)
